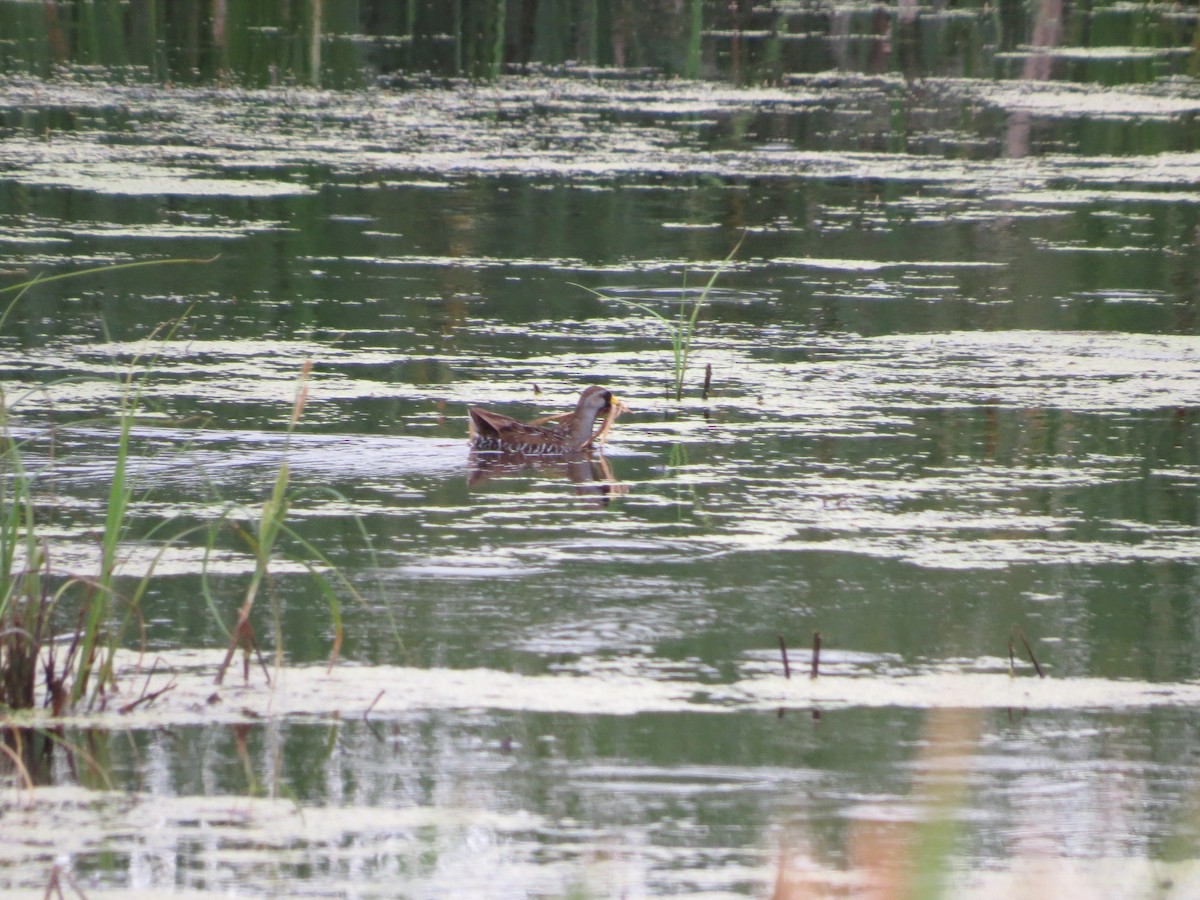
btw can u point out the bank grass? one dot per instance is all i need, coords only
(28, 606)
(680, 328)
(65, 629)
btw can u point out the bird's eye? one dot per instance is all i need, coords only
(608, 396)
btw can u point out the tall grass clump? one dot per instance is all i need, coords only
(96, 643)
(24, 603)
(680, 328)
(64, 629)
(30, 590)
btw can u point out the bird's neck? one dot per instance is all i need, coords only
(581, 429)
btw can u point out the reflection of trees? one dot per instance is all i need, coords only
(1047, 32)
(338, 43)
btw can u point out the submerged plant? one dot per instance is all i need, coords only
(682, 327)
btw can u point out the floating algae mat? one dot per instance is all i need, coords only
(179, 689)
(486, 725)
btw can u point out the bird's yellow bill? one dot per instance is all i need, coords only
(614, 410)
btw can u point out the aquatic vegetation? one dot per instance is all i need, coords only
(271, 524)
(31, 590)
(24, 600)
(682, 328)
(80, 664)
(27, 603)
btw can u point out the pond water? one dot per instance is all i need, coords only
(955, 389)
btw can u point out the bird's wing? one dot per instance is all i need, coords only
(488, 424)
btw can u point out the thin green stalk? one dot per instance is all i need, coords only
(688, 330)
(672, 330)
(119, 495)
(10, 531)
(20, 288)
(21, 592)
(682, 330)
(270, 523)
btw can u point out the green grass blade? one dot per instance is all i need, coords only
(116, 267)
(22, 287)
(688, 330)
(683, 328)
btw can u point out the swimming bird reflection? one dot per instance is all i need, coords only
(592, 476)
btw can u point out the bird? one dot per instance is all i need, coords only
(563, 433)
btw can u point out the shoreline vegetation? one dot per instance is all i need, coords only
(64, 628)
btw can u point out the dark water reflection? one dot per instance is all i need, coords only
(343, 44)
(955, 382)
